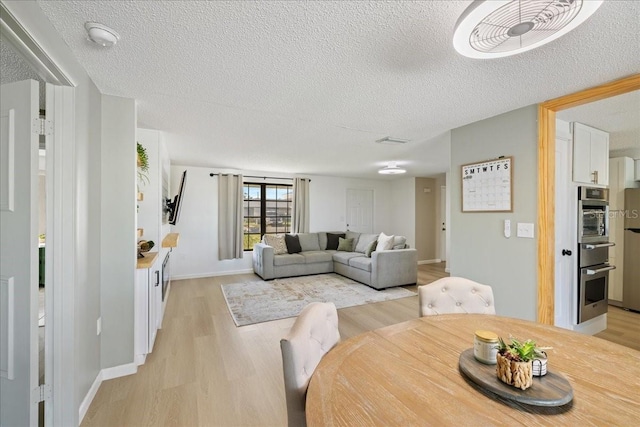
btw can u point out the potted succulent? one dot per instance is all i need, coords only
(514, 362)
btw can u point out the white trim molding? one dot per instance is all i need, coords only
(429, 261)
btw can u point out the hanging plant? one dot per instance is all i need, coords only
(143, 164)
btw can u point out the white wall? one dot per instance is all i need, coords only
(197, 252)
(117, 226)
(403, 209)
(479, 250)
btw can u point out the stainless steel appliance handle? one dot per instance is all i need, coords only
(599, 245)
(600, 270)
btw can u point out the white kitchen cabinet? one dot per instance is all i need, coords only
(590, 155)
(147, 283)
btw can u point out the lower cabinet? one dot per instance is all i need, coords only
(148, 285)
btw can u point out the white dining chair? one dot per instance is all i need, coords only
(313, 334)
(455, 295)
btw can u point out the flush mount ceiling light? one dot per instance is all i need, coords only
(101, 34)
(391, 169)
(494, 29)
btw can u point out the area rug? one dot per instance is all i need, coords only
(259, 301)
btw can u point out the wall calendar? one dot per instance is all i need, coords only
(487, 186)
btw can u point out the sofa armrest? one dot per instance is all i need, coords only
(263, 261)
(394, 268)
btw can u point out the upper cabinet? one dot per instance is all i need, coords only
(590, 155)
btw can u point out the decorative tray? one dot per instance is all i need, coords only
(549, 390)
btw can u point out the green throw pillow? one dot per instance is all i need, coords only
(345, 245)
(370, 248)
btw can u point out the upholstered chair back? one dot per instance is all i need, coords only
(455, 295)
(313, 334)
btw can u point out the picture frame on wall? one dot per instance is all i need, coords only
(487, 186)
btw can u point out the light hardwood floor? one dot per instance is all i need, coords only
(205, 371)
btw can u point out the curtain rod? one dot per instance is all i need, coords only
(253, 176)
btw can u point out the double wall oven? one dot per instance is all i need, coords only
(593, 258)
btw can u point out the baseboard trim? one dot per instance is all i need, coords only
(103, 375)
(119, 371)
(139, 359)
(429, 261)
(212, 274)
(615, 303)
(88, 398)
(447, 270)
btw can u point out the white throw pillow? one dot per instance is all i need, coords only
(277, 242)
(384, 242)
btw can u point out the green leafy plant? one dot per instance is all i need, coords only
(143, 164)
(521, 351)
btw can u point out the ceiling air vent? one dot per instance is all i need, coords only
(391, 141)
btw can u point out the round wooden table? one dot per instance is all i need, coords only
(407, 374)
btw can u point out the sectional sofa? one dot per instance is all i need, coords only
(317, 254)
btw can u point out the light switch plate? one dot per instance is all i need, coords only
(507, 228)
(525, 229)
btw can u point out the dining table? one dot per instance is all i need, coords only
(409, 374)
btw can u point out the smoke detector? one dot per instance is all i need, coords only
(494, 29)
(101, 34)
(392, 169)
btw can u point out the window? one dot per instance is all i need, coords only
(267, 210)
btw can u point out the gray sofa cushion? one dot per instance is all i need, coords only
(365, 240)
(361, 262)
(316, 256)
(309, 241)
(288, 259)
(399, 242)
(353, 235)
(344, 257)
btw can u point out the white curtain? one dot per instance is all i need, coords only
(300, 205)
(230, 217)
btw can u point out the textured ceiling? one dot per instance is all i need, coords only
(15, 68)
(306, 87)
(620, 116)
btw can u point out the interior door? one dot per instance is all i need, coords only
(360, 210)
(443, 223)
(18, 253)
(565, 240)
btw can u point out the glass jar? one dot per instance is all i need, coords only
(485, 347)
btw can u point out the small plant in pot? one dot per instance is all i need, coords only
(514, 362)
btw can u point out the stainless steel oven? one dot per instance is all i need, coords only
(593, 214)
(594, 280)
(593, 258)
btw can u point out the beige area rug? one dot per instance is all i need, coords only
(259, 301)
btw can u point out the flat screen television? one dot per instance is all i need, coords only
(173, 206)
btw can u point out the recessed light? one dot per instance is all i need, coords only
(101, 34)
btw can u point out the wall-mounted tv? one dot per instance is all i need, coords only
(173, 207)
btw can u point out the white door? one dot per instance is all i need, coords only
(18, 253)
(565, 250)
(360, 210)
(443, 223)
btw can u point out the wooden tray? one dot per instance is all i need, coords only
(550, 390)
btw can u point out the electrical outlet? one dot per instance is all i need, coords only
(99, 326)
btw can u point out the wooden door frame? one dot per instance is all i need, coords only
(546, 179)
